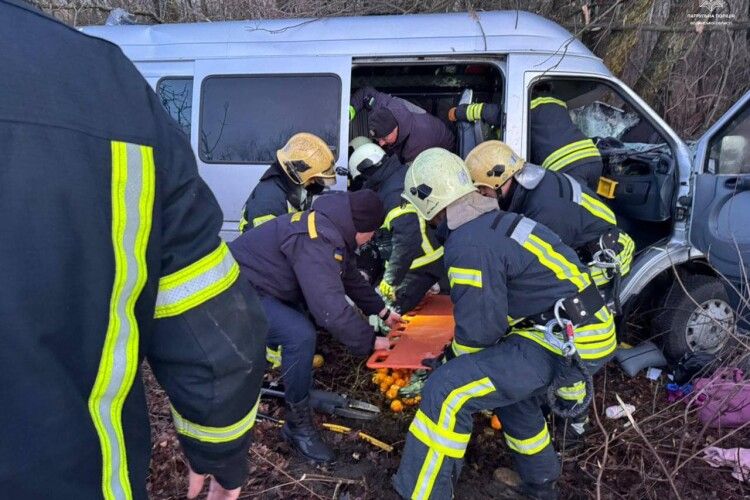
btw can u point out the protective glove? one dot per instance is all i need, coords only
(419, 377)
(387, 291)
(458, 113)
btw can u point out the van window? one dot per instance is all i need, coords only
(245, 119)
(176, 95)
(729, 150)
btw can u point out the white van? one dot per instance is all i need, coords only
(240, 89)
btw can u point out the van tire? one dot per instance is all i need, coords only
(680, 322)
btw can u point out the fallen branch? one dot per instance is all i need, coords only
(650, 447)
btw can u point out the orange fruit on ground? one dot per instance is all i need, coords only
(388, 380)
(392, 393)
(318, 361)
(384, 387)
(384, 371)
(378, 378)
(401, 382)
(495, 423)
(397, 406)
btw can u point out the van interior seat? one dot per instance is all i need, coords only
(468, 135)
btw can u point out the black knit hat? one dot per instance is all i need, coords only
(368, 213)
(381, 122)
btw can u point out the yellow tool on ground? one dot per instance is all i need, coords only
(341, 429)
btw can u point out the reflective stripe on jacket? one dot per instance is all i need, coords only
(120, 261)
(503, 265)
(413, 244)
(555, 141)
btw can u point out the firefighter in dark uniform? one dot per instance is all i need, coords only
(509, 275)
(284, 188)
(555, 142)
(414, 261)
(111, 254)
(399, 126)
(559, 202)
(571, 210)
(308, 258)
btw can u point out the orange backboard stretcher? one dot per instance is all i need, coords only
(429, 330)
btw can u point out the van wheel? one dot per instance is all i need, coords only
(687, 327)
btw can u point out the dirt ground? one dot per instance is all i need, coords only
(631, 468)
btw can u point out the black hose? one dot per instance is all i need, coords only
(574, 363)
(616, 280)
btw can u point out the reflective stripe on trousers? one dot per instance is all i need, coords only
(448, 442)
(529, 446)
(436, 444)
(132, 194)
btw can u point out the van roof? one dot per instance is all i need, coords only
(361, 36)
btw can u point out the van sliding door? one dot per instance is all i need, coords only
(247, 109)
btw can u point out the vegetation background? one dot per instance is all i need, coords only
(689, 59)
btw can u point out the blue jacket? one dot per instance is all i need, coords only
(568, 208)
(310, 256)
(504, 267)
(274, 195)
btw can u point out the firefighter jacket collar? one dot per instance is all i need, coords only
(335, 207)
(468, 208)
(442, 232)
(530, 176)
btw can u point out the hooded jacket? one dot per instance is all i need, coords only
(310, 256)
(413, 244)
(274, 195)
(417, 129)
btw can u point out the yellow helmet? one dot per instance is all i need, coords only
(434, 180)
(305, 158)
(493, 163)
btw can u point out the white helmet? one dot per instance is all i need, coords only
(365, 156)
(434, 180)
(358, 141)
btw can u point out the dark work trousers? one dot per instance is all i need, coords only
(416, 283)
(291, 329)
(511, 375)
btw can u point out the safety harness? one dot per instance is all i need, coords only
(559, 328)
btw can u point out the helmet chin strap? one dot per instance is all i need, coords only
(503, 200)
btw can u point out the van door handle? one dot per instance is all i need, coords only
(738, 183)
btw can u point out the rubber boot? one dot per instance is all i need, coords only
(540, 491)
(300, 432)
